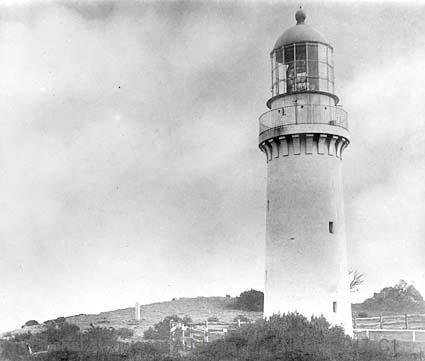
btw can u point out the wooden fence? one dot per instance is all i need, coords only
(187, 336)
(405, 327)
(399, 322)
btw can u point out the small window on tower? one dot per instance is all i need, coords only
(331, 227)
(334, 306)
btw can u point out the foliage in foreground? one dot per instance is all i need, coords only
(286, 337)
(290, 337)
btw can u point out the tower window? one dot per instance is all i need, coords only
(334, 306)
(331, 227)
(268, 205)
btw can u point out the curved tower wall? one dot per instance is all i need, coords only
(306, 267)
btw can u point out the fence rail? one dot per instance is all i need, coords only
(407, 327)
(399, 322)
(187, 336)
(392, 334)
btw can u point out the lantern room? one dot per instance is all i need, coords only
(302, 82)
(302, 60)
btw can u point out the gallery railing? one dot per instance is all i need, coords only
(303, 114)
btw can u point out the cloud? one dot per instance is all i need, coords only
(385, 179)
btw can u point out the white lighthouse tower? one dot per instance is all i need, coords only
(303, 136)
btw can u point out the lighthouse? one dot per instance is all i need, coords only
(303, 135)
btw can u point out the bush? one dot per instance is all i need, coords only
(399, 298)
(161, 330)
(125, 333)
(187, 319)
(31, 323)
(362, 314)
(213, 319)
(251, 300)
(241, 318)
(290, 337)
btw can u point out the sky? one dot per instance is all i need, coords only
(129, 165)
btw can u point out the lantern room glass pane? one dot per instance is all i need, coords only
(313, 69)
(323, 51)
(330, 57)
(300, 52)
(289, 54)
(301, 67)
(279, 55)
(323, 70)
(331, 73)
(323, 85)
(313, 52)
(290, 78)
(313, 84)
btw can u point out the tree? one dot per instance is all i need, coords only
(251, 300)
(356, 280)
(31, 323)
(401, 297)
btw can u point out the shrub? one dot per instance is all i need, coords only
(289, 337)
(362, 314)
(241, 318)
(399, 298)
(148, 351)
(60, 320)
(187, 319)
(31, 323)
(125, 333)
(161, 330)
(63, 355)
(251, 300)
(213, 319)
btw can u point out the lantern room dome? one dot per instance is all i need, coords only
(299, 33)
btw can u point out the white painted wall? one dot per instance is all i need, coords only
(306, 266)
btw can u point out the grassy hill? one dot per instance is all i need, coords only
(199, 309)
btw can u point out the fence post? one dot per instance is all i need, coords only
(239, 322)
(183, 339)
(380, 321)
(355, 322)
(171, 336)
(406, 321)
(191, 337)
(206, 331)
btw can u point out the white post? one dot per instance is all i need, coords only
(137, 311)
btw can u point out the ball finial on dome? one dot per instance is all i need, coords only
(300, 16)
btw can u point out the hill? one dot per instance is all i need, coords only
(199, 309)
